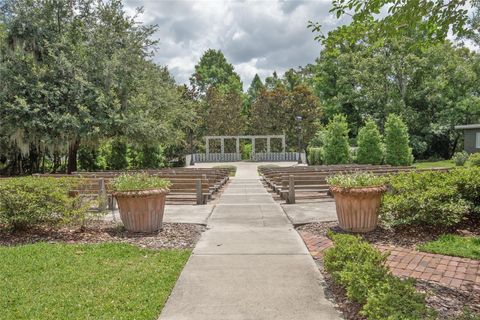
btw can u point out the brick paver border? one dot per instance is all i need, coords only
(453, 272)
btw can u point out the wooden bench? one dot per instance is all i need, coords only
(187, 185)
(306, 183)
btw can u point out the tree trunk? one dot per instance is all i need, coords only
(72, 155)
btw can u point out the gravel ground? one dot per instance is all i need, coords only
(448, 302)
(172, 236)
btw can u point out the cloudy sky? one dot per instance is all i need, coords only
(256, 36)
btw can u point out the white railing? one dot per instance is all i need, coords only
(259, 156)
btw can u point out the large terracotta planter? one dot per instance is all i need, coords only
(142, 211)
(357, 208)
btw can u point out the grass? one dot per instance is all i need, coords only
(453, 245)
(94, 281)
(436, 164)
(232, 170)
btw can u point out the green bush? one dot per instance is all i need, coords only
(87, 158)
(355, 264)
(475, 159)
(247, 151)
(356, 180)
(336, 149)
(361, 270)
(138, 181)
(28, 201)
(460, 158)
(369, 144)
(146, 157)
(427, 198)
(117, 157)
(396, 299)
(318, 140)
(467, 183)
(315, 156)
(397, 150)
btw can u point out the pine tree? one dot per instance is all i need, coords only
(369, 144)
(397, 150)
(336, 150)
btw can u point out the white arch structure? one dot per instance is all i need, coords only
(236, 156)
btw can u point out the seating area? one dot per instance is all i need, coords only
(188, 185)
(308, 183)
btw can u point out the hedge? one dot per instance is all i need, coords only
(29, 201)
(440, 199)
(361, 270)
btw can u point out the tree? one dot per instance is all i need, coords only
(369, 144)
(255, 88)
(336, 149)
(431, 18)
(281, 107)
(397, 150)
(67, 74)
(223, 115)
(77, 72)
(433, 89)
(253, 92)
(213, 70)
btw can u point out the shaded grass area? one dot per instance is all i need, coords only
(88, 281)
(435, 164)
(453, 245)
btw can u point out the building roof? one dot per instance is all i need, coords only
(468, 126)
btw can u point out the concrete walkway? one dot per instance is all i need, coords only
(250, 264)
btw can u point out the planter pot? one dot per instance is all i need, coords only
(357, 208)
(142, 211)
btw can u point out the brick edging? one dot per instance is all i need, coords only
(453, 272)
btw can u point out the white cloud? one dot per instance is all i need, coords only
(255, 36)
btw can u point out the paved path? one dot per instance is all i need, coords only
(250, 264)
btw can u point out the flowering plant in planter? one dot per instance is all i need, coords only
(141, 201)
(357, 199)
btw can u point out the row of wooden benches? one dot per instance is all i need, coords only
(309, 182)
(188, 185)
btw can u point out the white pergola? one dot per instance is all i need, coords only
(237, 139)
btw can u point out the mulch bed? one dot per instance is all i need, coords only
(172, 236)
(449, 302)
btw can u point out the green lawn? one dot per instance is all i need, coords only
(453, 245)
(436, 164)
(94, 281)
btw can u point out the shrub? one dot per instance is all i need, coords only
(231, 169)
(460, 158)
(467, 183)
(355, 264)
(336, 150)
(117, 157)
(356, 180)
(395, 299)
(318, 140)
(429, 198)
(352, 153)
(397, 150)
(475, 159)
(369, 144)
(361, 270)
(146, 157)
(28, 201)
(247, 151)
(87, 158)
(315, 156)
(138, 181)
